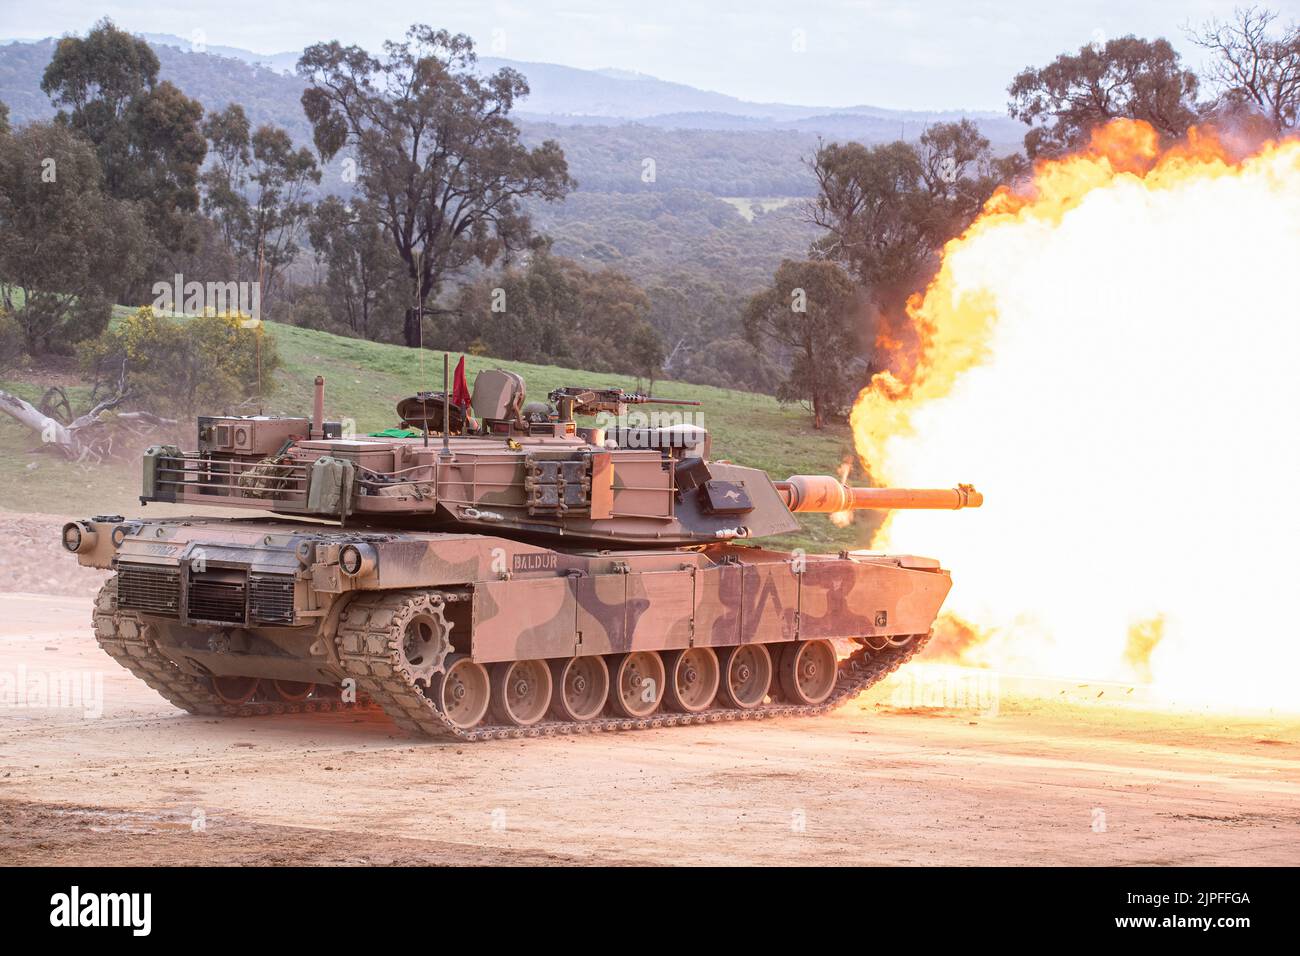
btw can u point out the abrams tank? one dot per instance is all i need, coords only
(493, 568)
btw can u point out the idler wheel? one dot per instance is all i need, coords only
(636, 686)
(807, 671)
(521, 692)
(462, 692)
(693, 676)
(746, 675)
(581, 686)
(234, 690)
(292, 691)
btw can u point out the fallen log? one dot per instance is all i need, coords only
(88, 437)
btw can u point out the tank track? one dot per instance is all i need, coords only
(370, 652)
(125, 639)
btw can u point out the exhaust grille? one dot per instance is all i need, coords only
(144, 587)
(270, 598)
(217, 596)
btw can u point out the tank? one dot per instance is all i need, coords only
(492, 568)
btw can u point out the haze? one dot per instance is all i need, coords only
(943, 54)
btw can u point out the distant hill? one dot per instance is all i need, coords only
(560, 94)
(608, 121)
(21, 66)
(613, 95)
(214, 80)
(279, 62)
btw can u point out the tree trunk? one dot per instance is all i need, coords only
(411, 328)
(819, 421)
(70, 439)
(52, 432)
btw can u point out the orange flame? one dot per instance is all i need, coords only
(1095, 351)
(842, 519)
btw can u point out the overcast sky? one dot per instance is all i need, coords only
(920, 55)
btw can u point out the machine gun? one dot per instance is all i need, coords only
(573, 400)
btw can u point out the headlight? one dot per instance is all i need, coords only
(356, 559)
(79, 536)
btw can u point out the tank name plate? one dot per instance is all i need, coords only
(535, 561)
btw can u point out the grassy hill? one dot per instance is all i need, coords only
(364, 380)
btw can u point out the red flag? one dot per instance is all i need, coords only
(459, 389)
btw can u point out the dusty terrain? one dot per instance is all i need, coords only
(121, 777)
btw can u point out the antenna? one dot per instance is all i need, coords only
(446, 407)
(419, 318)
(257, 331)
(257, 339)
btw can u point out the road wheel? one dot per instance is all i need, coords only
(746, 675)
(581, 686)
(692, 683)
(636, 685)
(521, 692)
(807, 671)
(234, 690)
(462, 692)
(292, 691)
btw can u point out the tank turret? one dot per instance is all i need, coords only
(537, 475)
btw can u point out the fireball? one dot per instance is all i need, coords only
(1112, 353)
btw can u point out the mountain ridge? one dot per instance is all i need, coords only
(609, 96)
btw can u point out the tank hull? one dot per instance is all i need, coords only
(471, 636)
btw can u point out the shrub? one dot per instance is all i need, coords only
(179, 367)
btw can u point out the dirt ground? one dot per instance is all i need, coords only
(115, 775)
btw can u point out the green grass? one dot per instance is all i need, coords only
(364, 380)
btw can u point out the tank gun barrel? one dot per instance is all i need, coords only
(824, 494)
